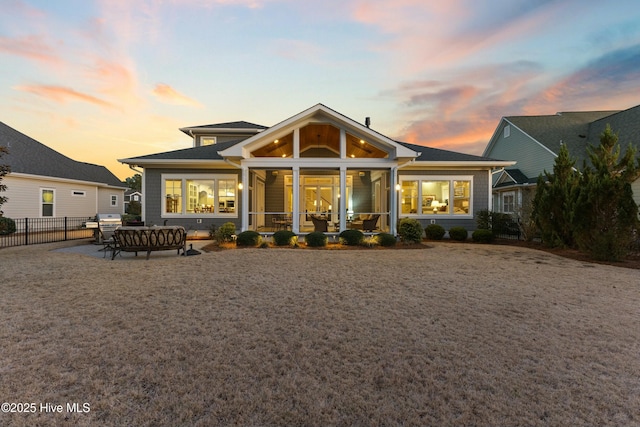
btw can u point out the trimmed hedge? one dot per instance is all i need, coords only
(482, 236)
(248, 238)
(316, 239)
(410, 230)
(225, 232)
(386, 239)
(458, 233)
(351, 237)
(283, 237)
(434, 232)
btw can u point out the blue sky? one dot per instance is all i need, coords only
(101, 80)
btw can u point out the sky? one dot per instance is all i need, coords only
(101, 80)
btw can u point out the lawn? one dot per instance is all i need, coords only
(458, 334)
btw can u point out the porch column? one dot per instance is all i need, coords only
(342, 205)
(343, 143)
(244, 193)
(296, 143)
(393, 209)
(295, 223)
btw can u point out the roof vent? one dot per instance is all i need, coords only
(367, 121)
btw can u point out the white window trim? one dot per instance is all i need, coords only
(451, 179)
(203, 177)
(507, 131)
(113, 197)
(202, 138)
(78, 193)
(41, 202)
(502, 204)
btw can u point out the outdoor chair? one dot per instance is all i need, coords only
(321, 225)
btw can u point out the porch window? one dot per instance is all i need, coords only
(203, 194)
(422, 196)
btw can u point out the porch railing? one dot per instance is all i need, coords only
(273, 221)
(31, 231)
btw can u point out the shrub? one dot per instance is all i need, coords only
(248, 238)
(351, 237)
(283, 237)
(482, 236)
(434, 232)
(458, 233)
(225, 232)
(386, 239)
(316, 239)
(410, 230)
(7, 226)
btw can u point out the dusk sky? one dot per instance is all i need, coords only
(101, 80)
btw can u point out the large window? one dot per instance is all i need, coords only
(435, 195)
(203, 194)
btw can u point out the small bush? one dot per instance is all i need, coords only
(410, 230)
(316, 239)
(458, 233)
(225, 232)
(7, 226)
(283, 237)
(351, 237)
(248, 238)
(482, 236)
(386, 239)
(434, 232)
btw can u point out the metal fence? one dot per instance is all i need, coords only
(31, 231)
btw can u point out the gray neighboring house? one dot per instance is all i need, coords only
(44, 183)
(535, 141)
(317, 170)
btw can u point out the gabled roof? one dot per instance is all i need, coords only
(28, 156)
(428, 154)
(511, 177)
(204, 153)
(231, 127)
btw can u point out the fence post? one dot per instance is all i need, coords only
(26, 231)
(65, 228)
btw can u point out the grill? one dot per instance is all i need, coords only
(107, 223)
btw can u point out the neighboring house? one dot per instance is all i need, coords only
(535, 141)
(45, 183)
(316, 164)
(131, 196)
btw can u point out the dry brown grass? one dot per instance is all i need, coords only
(457, 334)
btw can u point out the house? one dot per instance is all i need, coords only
(317, 164)
(44, 183)
(535, 141)
(131, 195)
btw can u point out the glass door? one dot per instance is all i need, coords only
(319, 198)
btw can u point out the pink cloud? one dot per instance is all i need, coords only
(62, 95)
(31, 47)
(169, 95)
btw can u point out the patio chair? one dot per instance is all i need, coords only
(371, 223)
(319, 224)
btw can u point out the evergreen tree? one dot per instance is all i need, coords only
(606, 213)
(554, 201)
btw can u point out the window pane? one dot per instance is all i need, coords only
(173, 194)
(409, 197)
(226, 195)
(435, 197)
(462, 197)
(200, 197)
(47, 202)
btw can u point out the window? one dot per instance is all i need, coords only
(508, 202)
(436, 196)
(207, 140)
(78, 193)
(507, 131)
(114, 200)
(203, 194)
(47, 200)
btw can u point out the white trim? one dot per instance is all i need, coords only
(448, 178)
(78, 193)
(41, 202)
(64, 180)
(184, 195)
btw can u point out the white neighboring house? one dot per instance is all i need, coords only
(131, 196)
(44, 183)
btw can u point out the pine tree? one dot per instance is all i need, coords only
(4, 170)
(606, 213)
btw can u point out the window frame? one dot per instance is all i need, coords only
(183, 213)
(42, 202)
(431, 178)
(113, 200)
(503, 205)
(213, 139)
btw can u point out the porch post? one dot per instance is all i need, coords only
(342, 204)
(295, 223)
(244, 192)
(393, 209)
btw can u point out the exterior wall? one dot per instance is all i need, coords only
(24, 195)
(532, 158)
(480, 197)
(104, 201)
(154, 198)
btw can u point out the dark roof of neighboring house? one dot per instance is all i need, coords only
(428, 154)
(570, 128)
(205, 152)
(26, 155)
(239, 126)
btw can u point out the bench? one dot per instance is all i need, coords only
(141, 239)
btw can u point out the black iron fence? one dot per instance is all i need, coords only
(31, 231)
